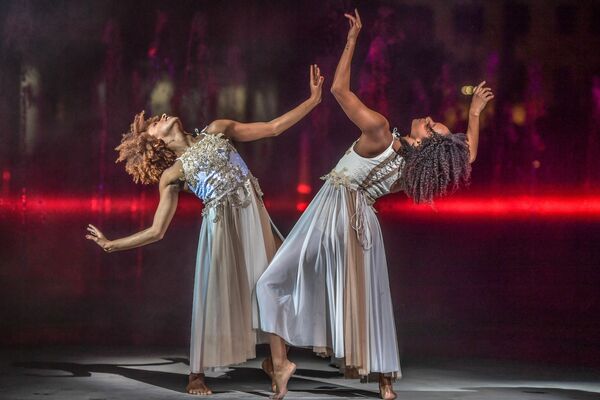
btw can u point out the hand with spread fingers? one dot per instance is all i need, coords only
(316, 83)
(95, 235)
(355, 25)
(481, 96)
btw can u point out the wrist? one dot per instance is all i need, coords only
(109, 246)
(351, 41)
(474, 113)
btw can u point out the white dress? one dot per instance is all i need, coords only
(327, 286)
(235, 246)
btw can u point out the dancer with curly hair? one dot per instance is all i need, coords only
(327, 287)
(237, 237)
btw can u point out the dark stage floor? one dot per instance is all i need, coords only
(121, 373)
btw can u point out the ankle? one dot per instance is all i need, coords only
(279, 364)
(195, 375)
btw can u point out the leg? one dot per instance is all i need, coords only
(283, 369)
(267, 364)
(386, 390)
(267, 367)
(196, 385)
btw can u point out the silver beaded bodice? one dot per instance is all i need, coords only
(215, 172)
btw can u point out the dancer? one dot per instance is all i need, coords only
(237, 238)
(327, 286)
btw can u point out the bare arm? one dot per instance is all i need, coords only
(481, 96)
(169, 188)
(246, 132)
(370, 122)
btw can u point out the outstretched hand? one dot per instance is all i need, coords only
(95, 235)
(355, 24)
(481, 96)
(316, 83)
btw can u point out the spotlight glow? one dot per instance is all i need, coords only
(303, 188)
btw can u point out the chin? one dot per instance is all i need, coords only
(413, 127)
(172, 121)
(415, 124)
(178, 122)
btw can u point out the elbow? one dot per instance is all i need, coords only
(472, 158)
(156, 234)
(336, 91)
(339, 93)
(274, 129)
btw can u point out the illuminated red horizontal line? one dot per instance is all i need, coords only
(501, 206)
(583, 206)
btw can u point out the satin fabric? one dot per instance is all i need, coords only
(324, 289)
(233, 252)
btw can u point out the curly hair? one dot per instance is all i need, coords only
(436, 168)
(145, 156)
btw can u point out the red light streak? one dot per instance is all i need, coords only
(505, 207)
(501, 207)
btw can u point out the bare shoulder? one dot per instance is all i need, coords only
(374, 142)
(378, 128)
(218, 126)
(382, 122)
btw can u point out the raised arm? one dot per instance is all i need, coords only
(246, 132)
(371, 123)
(169, 187)
(481, 96)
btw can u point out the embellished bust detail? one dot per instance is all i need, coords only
(386, 169)
(367, 179)
(339, 178)
(215, 172)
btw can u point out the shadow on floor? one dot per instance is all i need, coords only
(249, 380)
(514, 392)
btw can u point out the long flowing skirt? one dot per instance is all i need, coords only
(233, 251)
(327, 287)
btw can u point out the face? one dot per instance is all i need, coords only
(424, 127)
(164, 127)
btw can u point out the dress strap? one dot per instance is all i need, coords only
(198, 132)
(351, 148)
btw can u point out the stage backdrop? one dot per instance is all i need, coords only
(508, 267)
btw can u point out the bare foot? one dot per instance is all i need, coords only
(197, 385)
(386, 390)
(267, 366)
(282, 376)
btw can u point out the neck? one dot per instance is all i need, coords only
(182, 140)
